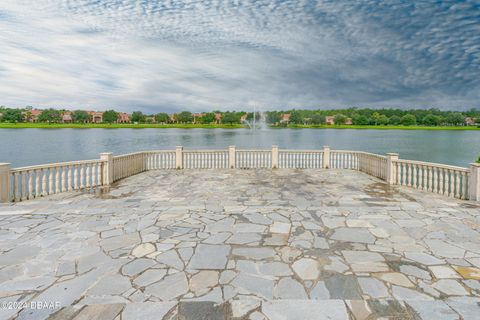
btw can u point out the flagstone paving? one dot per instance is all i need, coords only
(241, 244)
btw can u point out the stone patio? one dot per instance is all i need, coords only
(233, 244)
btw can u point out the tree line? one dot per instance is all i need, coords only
(357, 116)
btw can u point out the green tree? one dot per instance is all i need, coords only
(11, 115)
(360, 120)
(138, 116)
(80, 116)
(162, 117)
(185, 117)
(340, 119)
(208, 118)
(382, 120)
(230, 117)
(455, 118)
(318, 119)
(395, 120)
(296, 117)
(273, 117)
(431, 120)
(409, 120)
(110, 116)
(50, 115)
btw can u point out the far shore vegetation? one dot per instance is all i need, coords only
(351, 118)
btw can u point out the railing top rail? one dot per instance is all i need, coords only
(206, 150)
(300, 150)
(432, 164)
(128, 154)
(56, 165)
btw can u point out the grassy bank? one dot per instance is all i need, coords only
(213, 126)
(114, 126)
(295, 126)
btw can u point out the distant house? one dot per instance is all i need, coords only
(244, 117)
(469, 121)
(348, 121)
(197, 116)
(285, 118)
(218, 118)
(173, 117)
(32, 116)
(330, 120)
(67, 117)
(150, 119)
(96, 116)
(123, 117)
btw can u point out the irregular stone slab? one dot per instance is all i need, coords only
(280, 227)
(353, 235)
(170, 287)
(143, 249)
(288, 288)
(342, 287)
(402, 293)
(18, 255)
(111, 285)
(468, 308)
(444, 272)
(137, 266)
(373, 287)
(320, 291)
(423, 258)
(254, 253)
(251, 284)
(415, 271)
(203, 281)
(307, 269)
(170, 258)
(241, 308)
(150, 276)
(244, 238)
(396, 278)
(432, 309)
(305, 309)
(468, 272)
(147, 310)
(100, 312)
(442, 249)
(201, 310)
(275, 268)
(123, 241)
(208, 256)
(450, 287)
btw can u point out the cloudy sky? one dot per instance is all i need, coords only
(202, 55)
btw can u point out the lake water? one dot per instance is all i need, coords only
(23, 147)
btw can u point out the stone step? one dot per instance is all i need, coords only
(455, 308)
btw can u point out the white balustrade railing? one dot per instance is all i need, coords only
(128, 165)
(372, 164)
(433, 177)
(32, 182)
(253, 159)
(28, 183)
(205, 159)
(300, 159)
(157, 160)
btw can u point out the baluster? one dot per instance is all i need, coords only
(44, 181)
(435, 180)
(24, 185)
(430, 178)
(75, 177)
(99, 173)
(30, 184)
(15, 186)
(82, 176)
(457, 184)
(38, 173)
(88, 175)
(464, 185)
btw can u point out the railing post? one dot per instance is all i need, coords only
(274, 157)
(326, 157)
(179, 157)
(107, 168)
(231, 157)
(4, 182)
(391, 168)
(474, 182)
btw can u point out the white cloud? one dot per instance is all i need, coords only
(201, 55)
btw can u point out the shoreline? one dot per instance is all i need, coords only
(222, 126)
